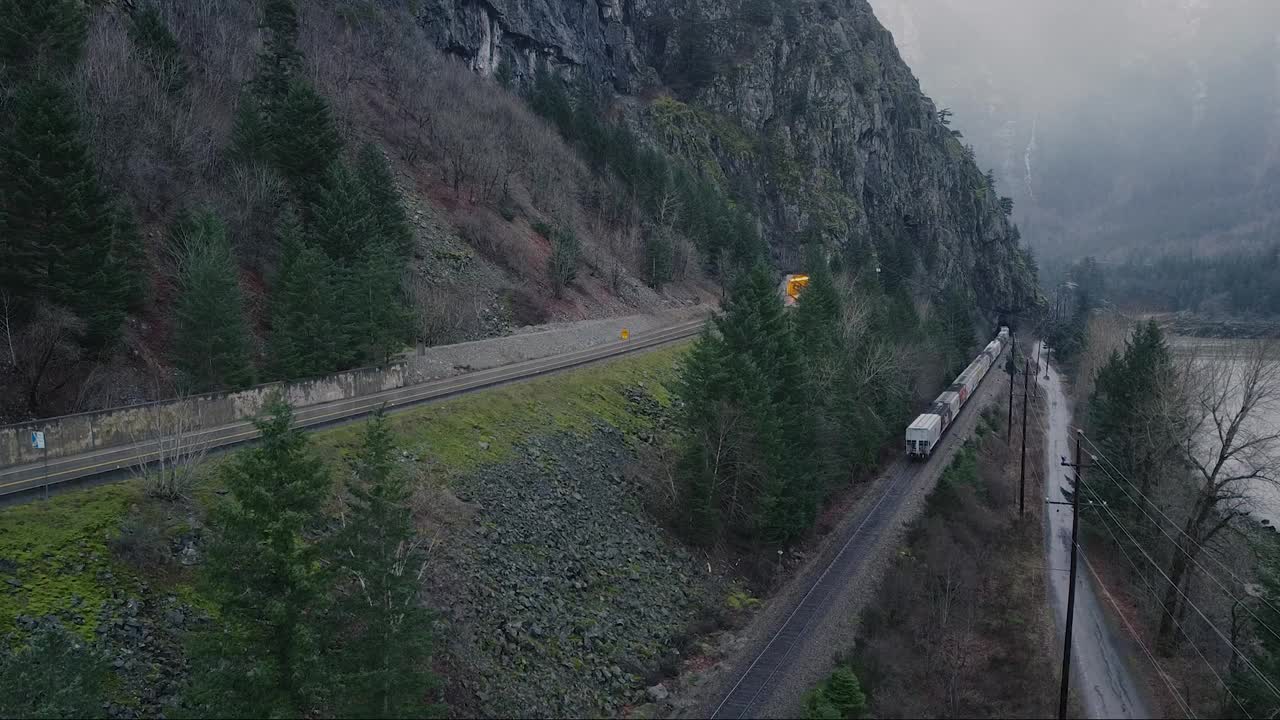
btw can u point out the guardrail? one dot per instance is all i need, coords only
(39, 472)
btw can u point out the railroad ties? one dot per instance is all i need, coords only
(756, 684)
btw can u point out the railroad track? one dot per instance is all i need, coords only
(759, 677)
(108, 461)
(755, 685)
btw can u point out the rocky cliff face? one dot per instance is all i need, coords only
(802, 108)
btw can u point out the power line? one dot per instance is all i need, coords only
(1192, 558)
(1186, 708)
(1266, 681)
(1156, 593)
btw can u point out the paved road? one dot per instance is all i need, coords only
(107, 461)
(795, 640)
(1100, 671)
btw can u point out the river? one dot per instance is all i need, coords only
(1264, 497)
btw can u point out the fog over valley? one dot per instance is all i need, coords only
(1148, 125)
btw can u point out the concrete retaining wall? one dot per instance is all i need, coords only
(74, 434)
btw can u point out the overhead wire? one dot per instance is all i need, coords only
(1156, 593)
(1186, 707)
(1204, 550)
(1265, 680)
(1155, 565)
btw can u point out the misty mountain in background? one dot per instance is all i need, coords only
(1120, 128)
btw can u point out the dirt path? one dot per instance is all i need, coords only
(1100, 672)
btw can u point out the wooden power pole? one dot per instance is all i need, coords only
(1071, 590)
(1022, 472)
(1013, 354)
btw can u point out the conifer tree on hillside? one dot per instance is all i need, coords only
(1134, 425)
(750, 434)
(158, 47)
(377, 322)
(250, 132)
(64, 242)
(53, 674)
(708, 460)
(308, 337)
(341, 220)
(1264, 653)
(389, 219)
(264, 572)
(828, 394)
(48, 34)
(211, 346)
(384, 667)
(280, 62)
(304, 140)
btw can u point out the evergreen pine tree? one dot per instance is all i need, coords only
(657, 257)
(762, 391)
(52, 674)
(341, 221)
(211, 339)
(49, 34)
(1131, 423)
(818, 309)
(264, 572)
(830, 397)
(250, 133)
(562, 265)
(280, 62)
(1264, 653)
(707, 458)
(377, 324)
(389, 219)
(158, 47)
(845, 693)
(817, 706)
(308, 337)
(304, 140)
(58, 229)
(385, 662)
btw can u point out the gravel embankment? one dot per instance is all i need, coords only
(836, 628)
(534, 342)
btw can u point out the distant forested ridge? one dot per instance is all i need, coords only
(1244, 284)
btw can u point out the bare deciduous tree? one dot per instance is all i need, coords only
(1231, 446)
(173, 435)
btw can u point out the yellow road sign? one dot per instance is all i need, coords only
(626, 334)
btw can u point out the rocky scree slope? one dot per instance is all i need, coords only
(802, 109)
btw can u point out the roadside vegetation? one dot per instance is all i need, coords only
(781, 410)
(240, 207)
(364, 558)
(1187, 445)
(959, 626)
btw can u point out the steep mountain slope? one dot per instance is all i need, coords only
(707, 124)
(802, 109)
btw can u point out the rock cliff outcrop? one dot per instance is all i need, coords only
(803, 109)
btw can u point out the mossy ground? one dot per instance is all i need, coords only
(459, 435)
(53, 552)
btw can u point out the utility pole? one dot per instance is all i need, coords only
(1008, 426)
(1013, 354)
(1022, 473)
(1071, 590)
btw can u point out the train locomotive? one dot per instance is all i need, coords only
(924, 433)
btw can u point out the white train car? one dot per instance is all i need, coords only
(926, 430)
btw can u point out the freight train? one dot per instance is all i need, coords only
(923, 434)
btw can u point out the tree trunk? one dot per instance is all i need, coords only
(1186, 549)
